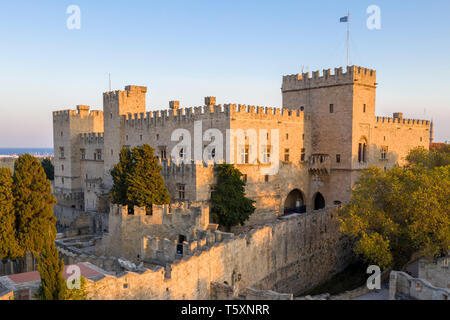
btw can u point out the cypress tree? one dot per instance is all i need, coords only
(229, 206)
(9, 247)
(48, 168)
(137, 179)
(145, 183)
(33, 205)
(50, 267)
(119, 175)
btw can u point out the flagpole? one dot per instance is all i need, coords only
(348, 38)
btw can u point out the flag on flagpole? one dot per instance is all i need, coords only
(344, 19)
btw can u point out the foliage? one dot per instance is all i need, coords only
(137, 179)
(48, 168)
(230, 207)
(400, 213)
(50, 267)
(78, 294)
(33, 205)
(437, 157)
(9, 247)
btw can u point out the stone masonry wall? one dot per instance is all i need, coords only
(291, 255)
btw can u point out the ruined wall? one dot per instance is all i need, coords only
(403, 286)
(290, 255)
(437, 273)
(127, 232)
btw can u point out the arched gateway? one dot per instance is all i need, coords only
(294, 202)
(319, 201)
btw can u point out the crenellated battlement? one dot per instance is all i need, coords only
(191, 114)
(401, 121)
(92, 138)
(81, 112)
(353, 75)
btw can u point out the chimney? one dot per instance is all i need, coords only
(398, 115)
(174, 105)
(83, 110)
(210, 101)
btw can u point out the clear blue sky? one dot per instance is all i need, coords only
(234, 50)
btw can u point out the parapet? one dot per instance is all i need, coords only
(233, 111)
(353, 75)
(400, 120)
(81, 112)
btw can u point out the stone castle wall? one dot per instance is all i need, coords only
(290, 255)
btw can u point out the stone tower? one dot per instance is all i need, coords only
(117, 104)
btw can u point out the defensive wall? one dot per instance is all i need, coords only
(291, 255)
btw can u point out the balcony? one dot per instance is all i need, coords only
(319, 164)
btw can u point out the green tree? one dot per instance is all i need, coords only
(119, 174)
(137, 179)
(78, 294)
(33, 205)
(48, 168)
(399, 215)
(9, 247)
(50, 267)
(229, 206)
(437, 157)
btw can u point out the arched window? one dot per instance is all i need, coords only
(362, 150)
(319, 201)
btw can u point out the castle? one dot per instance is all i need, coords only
(323, 136)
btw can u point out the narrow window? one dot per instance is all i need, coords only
(62, 167)
(112, 152)
(157, 136)
(266, 155)
(244, 178)
(286, 155)
(181, 191)
(364, 108)
(266, 178)
(331, 108)
(360, 152)
(338, 158)
(126, 137)
(62, 180)
(287, 136)
(61, 151)
(140, 137)
(61, 133)
(245, 154)
(182, 153)
(384, 151)
(303, 155)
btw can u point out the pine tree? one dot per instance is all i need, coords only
(9, 247)
(33, 205)
(137, 179)
(230, 207)
(50, 267)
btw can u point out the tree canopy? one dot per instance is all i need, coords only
(48, 168)
(402, 213)
(33, 205)
(229, 206)
(50, 267)
(137, 179)
(9, 247)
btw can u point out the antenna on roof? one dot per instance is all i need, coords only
(109, 77)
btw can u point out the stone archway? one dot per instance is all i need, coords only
(294, 202)
(319, 201)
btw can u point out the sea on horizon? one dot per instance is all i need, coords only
(20, 151)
